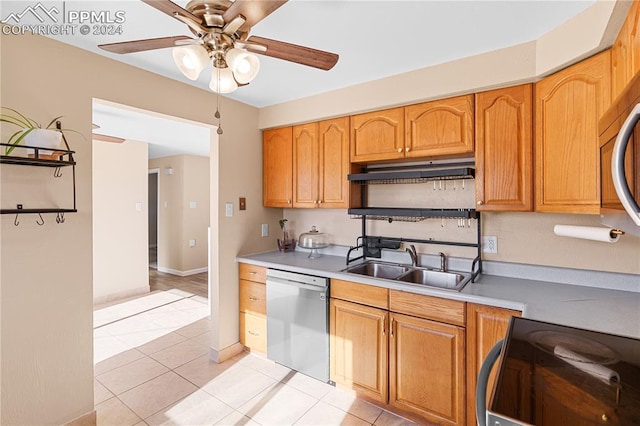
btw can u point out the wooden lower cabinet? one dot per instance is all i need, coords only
(426, 369)
(358, 345)
(486, 325)
(253, 307)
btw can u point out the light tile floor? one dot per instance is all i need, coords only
(152, 368)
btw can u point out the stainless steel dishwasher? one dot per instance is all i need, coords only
(298, 322)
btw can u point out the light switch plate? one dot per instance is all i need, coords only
(229, 209)
(193, 204)
(265, 229)
(138, 206)
(192, 243)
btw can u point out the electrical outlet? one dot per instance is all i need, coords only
(229, 210)
(242, 203)
(192, 243)
(265, 229)
(489, 244)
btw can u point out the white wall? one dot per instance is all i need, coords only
(120, 236)
(179, 223)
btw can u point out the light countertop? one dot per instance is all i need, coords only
(588, 307)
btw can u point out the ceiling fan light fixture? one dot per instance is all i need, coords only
(244, 65)
(222, 80)
(191, 60)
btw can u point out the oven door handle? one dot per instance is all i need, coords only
(483, 380)
(319, 289)
(617, 166)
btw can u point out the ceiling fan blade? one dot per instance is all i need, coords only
(107, 138)
(172, 9)
(294, 53)
(142, 45)
(253, 11)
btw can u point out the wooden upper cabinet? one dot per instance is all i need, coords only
(426, 369)
(504, 149)
(277, 170)
(569, 104)
(305, 165)
(321, 164)
(621, 60)
(377, 135)
(633, 29)
(443, 127)
(486, 325)
(334, 164)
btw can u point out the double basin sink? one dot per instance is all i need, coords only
(411, 274)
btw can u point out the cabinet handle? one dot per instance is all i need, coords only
(605, 418)
(252, 272)
(399, 149)
(391, 328)
(288, 201)
(319, 201)
(384, 321)
(253, 299)
(253, 333)
(479, 202)
(407, 149)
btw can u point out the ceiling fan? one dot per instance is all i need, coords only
(221, 28)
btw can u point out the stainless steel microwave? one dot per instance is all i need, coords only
(619, 131)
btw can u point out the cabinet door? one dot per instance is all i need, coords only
(485, 326)
(633, 27)
(358, 344)
(253, 332)
(305, 165)
(277, 150)
(568, 107)
(426, 369)
(377, 135)
(621, 60)
(504, 149)
(443, 127)
(334, 163)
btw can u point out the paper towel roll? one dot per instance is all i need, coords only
(586, 232)
(587, 365)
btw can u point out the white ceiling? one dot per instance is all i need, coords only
(374, 39)
(165, 135)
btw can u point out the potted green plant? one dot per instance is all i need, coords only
(33, 134)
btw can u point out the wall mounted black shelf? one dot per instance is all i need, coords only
(412, 176)
(381, 213)
(41, 157)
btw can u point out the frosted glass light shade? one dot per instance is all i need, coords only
(244, 65)
(191, 60)
(222, 80)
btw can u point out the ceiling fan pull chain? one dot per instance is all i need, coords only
(217, 114)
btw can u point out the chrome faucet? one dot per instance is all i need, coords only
(443, 262)
(414, 256)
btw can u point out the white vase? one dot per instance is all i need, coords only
(44, 138)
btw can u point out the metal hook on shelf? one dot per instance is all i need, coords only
(60, 217)
(57, 172)
(15, 221)
(41, 219)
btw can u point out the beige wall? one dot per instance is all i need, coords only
(178, 222)
(46, 272)
(522, 238)
(120, 236)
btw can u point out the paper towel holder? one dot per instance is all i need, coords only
(615, 232)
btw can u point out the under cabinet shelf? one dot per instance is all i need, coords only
(36, 211)
(411, 214)
(38, 162)
(412, 176)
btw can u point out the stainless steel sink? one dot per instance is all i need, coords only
(444, 280)
(379, 270)
(412, 275)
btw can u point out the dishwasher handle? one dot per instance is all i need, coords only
(319, 289)
(483, 380)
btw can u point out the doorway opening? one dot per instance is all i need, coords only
(154, 199)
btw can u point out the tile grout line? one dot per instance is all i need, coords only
(142, 312)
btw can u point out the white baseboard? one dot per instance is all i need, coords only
(222, 355)
(182, 273)
(121, 295)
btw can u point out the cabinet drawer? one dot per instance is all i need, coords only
(360, 293)
(253, 273)
(253, 332)
(253, 298)
(434, 308)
